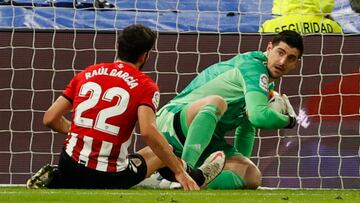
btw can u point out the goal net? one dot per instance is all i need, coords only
(43, 46)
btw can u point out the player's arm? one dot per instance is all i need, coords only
(54, 116)
(244, 138)
(261, 116)
(159, 145)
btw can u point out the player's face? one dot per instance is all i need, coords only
(281, 59)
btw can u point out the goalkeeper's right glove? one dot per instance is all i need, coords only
(290, 112)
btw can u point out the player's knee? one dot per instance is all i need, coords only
(252, 177)
(219, 102)
(245, 168)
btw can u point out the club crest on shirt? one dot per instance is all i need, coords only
(264, 82)
(156, 99)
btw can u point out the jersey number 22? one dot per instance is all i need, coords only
(100, 121)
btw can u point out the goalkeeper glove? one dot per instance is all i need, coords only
(290, 112)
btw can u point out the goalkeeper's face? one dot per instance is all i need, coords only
(281, 59)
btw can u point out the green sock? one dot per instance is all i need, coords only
(227, 180)
(199, 133)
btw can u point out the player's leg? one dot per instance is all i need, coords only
(212, 167)
(70, 174)
(153, 163)
(239, 173)
(77, 175)
(52, 176)
(198, 122)
(42, 178)
(170, 125)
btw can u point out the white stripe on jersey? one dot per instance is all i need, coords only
(72, 142)
(86, 150)
(103, 157)
(104, 153)
(122, 161)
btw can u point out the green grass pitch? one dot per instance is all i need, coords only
(21, 194)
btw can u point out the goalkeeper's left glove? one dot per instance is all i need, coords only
(290, 112)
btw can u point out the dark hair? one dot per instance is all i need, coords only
(291, 38)
(133, 41)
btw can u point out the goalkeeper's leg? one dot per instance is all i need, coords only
(198, 122)
(239, 173)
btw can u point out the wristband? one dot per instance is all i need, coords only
(292, 122)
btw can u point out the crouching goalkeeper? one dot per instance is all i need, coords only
(231, 95)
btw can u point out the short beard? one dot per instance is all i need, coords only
(271, 76)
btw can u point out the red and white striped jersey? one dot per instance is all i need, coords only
(105, 100)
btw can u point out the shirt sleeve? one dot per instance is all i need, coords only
(260, 115)
(244, 138)
(151, 97)
(69, 91)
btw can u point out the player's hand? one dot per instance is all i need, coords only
(290, 111)
(186, 181)
(278, 104)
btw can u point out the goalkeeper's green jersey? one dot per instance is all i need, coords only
(243, 81)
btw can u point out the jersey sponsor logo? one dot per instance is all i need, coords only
(156, 99)
(264, 82)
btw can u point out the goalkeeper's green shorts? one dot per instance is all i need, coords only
(172, 124)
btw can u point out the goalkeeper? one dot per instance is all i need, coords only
(231, 95)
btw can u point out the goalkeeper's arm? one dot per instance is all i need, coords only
(244, 138)
(261, 116)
